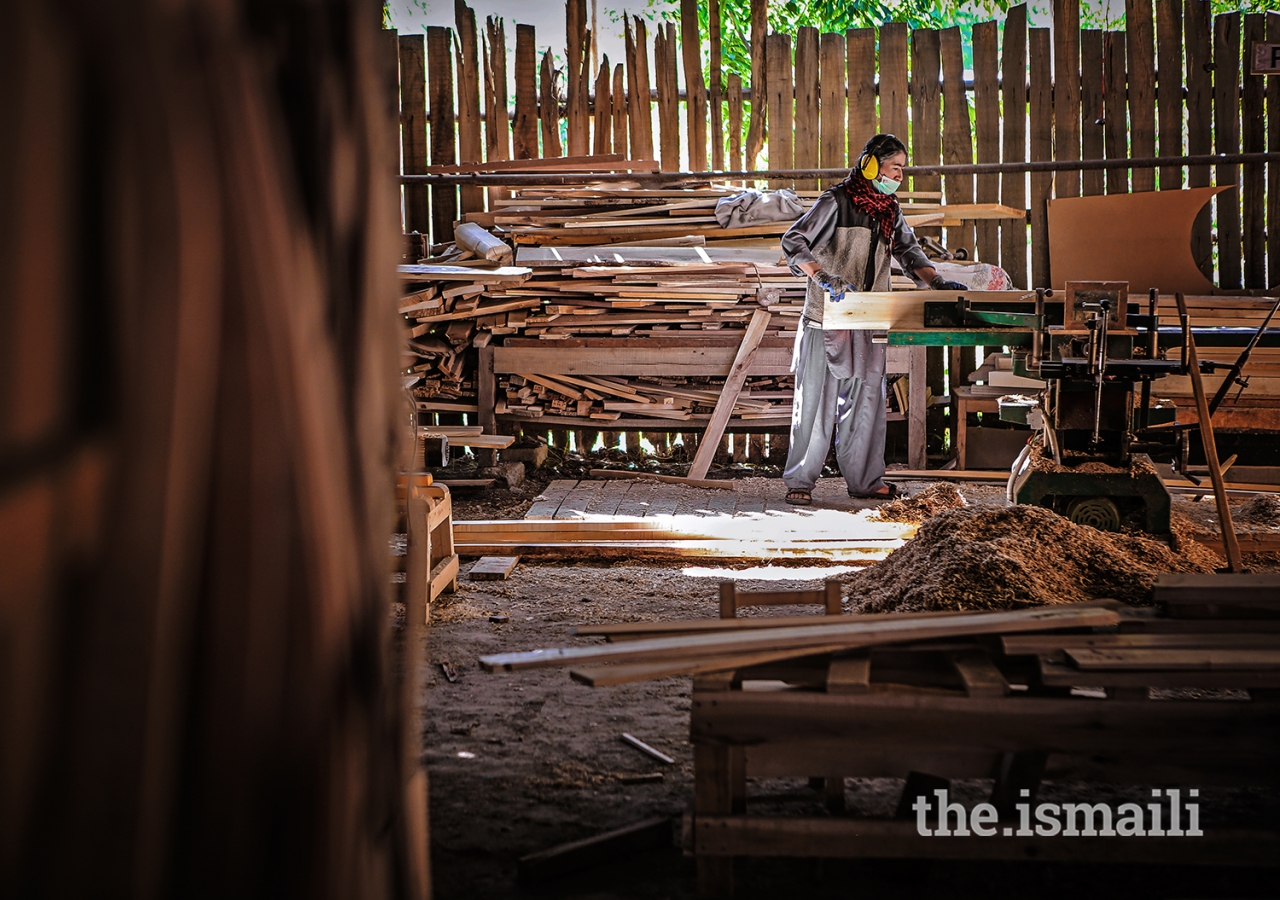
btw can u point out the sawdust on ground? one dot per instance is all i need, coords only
(1020, 556)
(1264, 509)
(924, 505)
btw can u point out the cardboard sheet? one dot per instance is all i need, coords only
(1144, 239)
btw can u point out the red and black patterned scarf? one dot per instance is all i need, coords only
(882, 209)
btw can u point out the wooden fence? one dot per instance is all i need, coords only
(813, 99)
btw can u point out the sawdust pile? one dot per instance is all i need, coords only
(1264, 509)
(924, 505)
(1015, 557)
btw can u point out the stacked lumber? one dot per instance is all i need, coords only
(586, 216)
(608, 399)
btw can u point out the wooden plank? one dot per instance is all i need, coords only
(759, 82)
(834, 116)
(1253, 588)
(545, 504)
(1036, 644)
(980, 675)
(470, 141)
(957, 136)
(1066, 92)
(604, 109)
(1116, 130)
(664, 63)
(639, 112)
(497, 128)
(493, 568)
(860, 53)
(926, 109)
(413, 130)
(781, 114)
(1226, 139)
(893, 79)
(986, 90)
(1169, 88)
(575, 503)
(726, 836)
(444, 198)
(1140, 50)
(735, 122)
(695, 85)
(1211, 450)
(668, 479)
(716, 85)
(601, 849)
(577, 55)
(524, 128)
(548, 108)
(1177, 659)
(1092, 114)
(618, 99)
(1273, 170)
(1013, 191)
(1041, 121)
(808, 137)
(1199, 120)
(1253, 177)
(847, 633)
(629, 673)
(760, 319)
(849, 675)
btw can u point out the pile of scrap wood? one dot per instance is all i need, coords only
(1207, 632)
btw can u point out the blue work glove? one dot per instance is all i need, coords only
(942, 284)
(832, 283)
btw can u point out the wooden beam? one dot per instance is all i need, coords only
(729, 395)
(1211, 450)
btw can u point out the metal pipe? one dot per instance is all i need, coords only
(1153, 336)
(1037, 336)
(1082, 165)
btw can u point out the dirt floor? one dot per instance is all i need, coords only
(523, 762)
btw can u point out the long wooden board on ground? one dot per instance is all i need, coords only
(846, 634)
(712, 483)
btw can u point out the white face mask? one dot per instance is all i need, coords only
(886, 185)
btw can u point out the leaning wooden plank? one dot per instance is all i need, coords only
(601, 849)
(733, 385)
(639, 630)
(493, 568)
(846, 634)
(1178, 658)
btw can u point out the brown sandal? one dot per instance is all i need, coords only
(799, 497)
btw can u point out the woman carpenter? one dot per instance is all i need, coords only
(844, 243)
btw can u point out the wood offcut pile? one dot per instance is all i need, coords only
(1015, 557)
(1264, 510)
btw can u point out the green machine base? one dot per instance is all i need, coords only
(1099, 499)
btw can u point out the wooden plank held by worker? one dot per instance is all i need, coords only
(732, 386)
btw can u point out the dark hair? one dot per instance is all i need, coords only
(883, 146)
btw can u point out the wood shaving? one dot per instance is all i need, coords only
(1263, 509)
(1016, 557)
(924, 505)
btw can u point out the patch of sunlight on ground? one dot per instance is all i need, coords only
(769, 573)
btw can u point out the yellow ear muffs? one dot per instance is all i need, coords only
(869, 166)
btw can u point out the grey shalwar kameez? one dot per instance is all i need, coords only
(840, 374)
